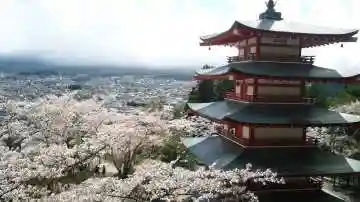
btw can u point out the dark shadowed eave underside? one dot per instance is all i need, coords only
(276, 70)
(298, 196)
(280, 26)
(310, 161)
(272, 114)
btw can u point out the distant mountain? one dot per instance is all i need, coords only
(28, 65)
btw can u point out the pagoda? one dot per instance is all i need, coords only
(264, 120)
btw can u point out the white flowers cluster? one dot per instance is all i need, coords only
(192, 126)
(46, 141)
(155, 180)
(339, 139)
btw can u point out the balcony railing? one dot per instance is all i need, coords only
(270, 99)
(268, 143)
(253, 56)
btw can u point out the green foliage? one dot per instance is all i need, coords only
(172, 148)
(168, 151)
(222, 87)
(343, 96)
(210, 91)
(178, 111)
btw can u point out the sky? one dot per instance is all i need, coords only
(156, 32)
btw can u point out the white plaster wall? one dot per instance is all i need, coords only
(253, 49)
(241, 52)
(252, 41)
(242, 43)
(279, 90)
(250, 90)
(278, 133)
(238, 89)
(246, 132)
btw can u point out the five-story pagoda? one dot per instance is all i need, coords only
(264, 120)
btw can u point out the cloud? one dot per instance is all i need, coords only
(153, 32)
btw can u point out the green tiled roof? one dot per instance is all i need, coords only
(284, 26)
(308, 161)
(281, 114)
(276, 69)
(298, 196)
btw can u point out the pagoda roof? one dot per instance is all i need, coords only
(277, 69)
(221, 153)
(234, 34)
(272, 114)
(298, 196)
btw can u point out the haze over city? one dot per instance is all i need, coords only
(155, 33)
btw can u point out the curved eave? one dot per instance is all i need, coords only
(305, 32)
(288, 70)
(277, 70)
(272, 114)
(217, 73)
(223, 154)
(241, 30)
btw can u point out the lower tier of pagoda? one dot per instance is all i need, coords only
(291, 71)
(298, 196)
(221, 153)
(270, 114)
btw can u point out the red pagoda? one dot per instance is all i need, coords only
(264, 120)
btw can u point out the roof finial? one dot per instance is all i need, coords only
(270, 13)
(271, 5)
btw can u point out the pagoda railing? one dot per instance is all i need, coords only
(270, 99)
(253, 56)
(276, 143)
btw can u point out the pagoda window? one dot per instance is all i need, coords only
(279, 90)
(278, 134)
(280, 41)
(284, 82)
(267, 51)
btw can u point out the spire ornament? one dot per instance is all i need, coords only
(270, 13)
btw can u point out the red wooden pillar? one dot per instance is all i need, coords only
(258, 39)
(303, 88)
(243, 90)
(252, 134)
(304, 135)
(239, 131)
(255, 89)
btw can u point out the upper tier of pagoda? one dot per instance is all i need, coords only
(276, 70)
(271, 23)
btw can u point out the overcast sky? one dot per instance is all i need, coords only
(155, 32)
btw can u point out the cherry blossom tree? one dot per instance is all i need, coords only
(155, 180)
(46, 143)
